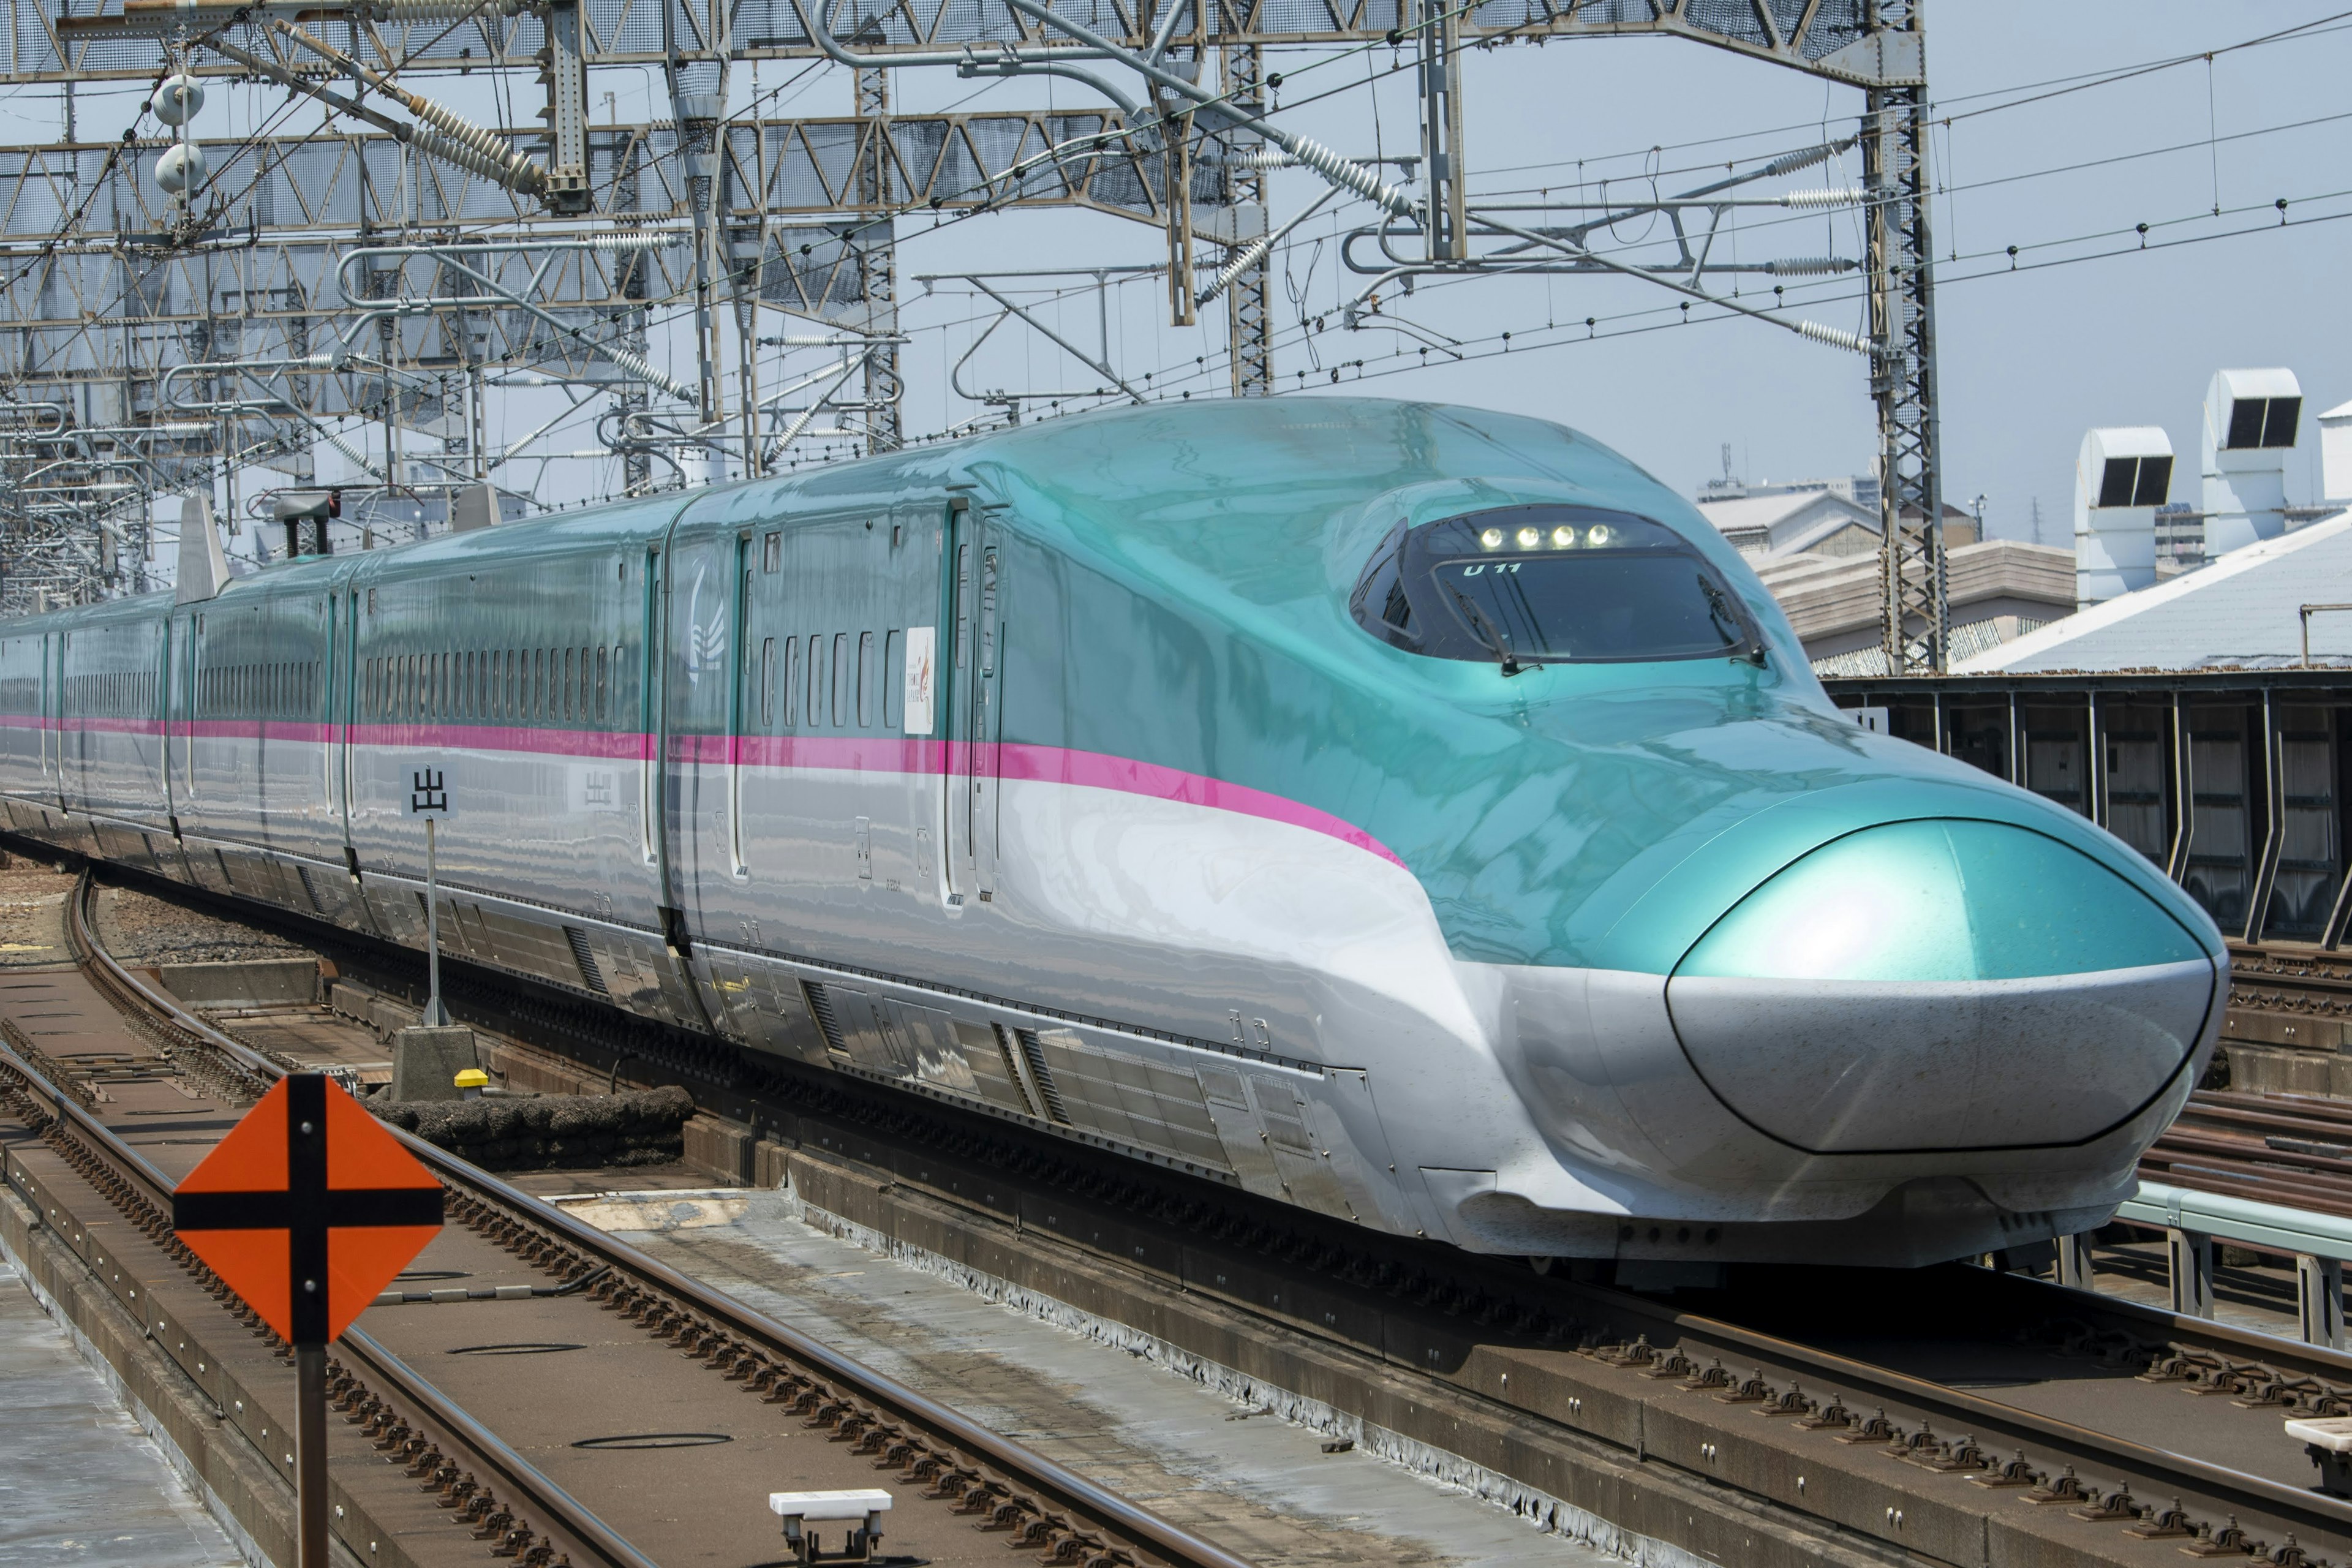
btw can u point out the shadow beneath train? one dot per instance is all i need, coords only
(1958, 1324)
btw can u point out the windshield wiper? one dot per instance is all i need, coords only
(1496, 643)
(1721, 613)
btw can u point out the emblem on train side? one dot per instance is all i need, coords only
(922, 653)
(706, 645)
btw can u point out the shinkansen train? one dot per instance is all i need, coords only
(1415, 813)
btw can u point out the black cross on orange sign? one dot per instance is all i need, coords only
(308, 1208)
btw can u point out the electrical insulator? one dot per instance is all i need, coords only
(181, 169)
(177, 98)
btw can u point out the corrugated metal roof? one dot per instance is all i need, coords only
(2240, 609)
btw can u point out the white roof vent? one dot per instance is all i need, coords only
(2247, 410)
(2250, 420)
(2335, 453)
(2124, 474)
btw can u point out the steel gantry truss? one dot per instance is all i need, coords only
(392, 268)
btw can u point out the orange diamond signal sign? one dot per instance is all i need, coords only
(308, 1208)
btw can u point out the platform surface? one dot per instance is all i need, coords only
(80, 1485)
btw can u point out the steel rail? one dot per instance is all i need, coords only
(1902, 1388)
(492, 1452)
(528, 1485)
(1065, 1487)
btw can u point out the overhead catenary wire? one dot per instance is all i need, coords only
(1789, 266)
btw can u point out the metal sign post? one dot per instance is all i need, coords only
(428, 796)
(342, 1244)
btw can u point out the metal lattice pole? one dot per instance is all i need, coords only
(1249, 302)
(878, 259)
(631, 395)
(1444, 220)
(1916, 630)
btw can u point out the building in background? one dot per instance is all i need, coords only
(2243, 608)
(1861, 489)
(2180, 539)
(1815, 544)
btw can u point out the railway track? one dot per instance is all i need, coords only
(2294, 1151)
(2289, 1007)
(2292, 1000)
(449, 1468)
(1955, 1414)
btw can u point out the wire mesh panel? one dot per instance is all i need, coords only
(2054, 758)
(2219, 874)
(2310, 856)
(2137, 740)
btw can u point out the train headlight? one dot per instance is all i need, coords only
(1602, 534)
(1530, 537)
(1563, 538)
(1492, 539)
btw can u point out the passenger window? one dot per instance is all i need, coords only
(772, 553)
(891, 655)
(815, 714)
(866, 674)
(792, 680)
(768, 681)
(566, 705)
(840, 678)
(603, 704)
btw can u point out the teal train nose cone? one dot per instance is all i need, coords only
(1940, 901)
(1941, 984)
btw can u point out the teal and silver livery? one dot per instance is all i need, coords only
(1412, 813)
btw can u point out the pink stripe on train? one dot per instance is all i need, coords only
(1040, 764)
(838, 753)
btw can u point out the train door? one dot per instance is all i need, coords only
(166, 672)
(53, 740)
(159, 713)
(189, 684)
(342, 713)
(324, 698)
(69, 793)
(973, 692)
(741, 673)
(650, 685)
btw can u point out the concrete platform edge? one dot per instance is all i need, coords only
(40, 1279)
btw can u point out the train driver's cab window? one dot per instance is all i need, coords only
(1549, 585)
